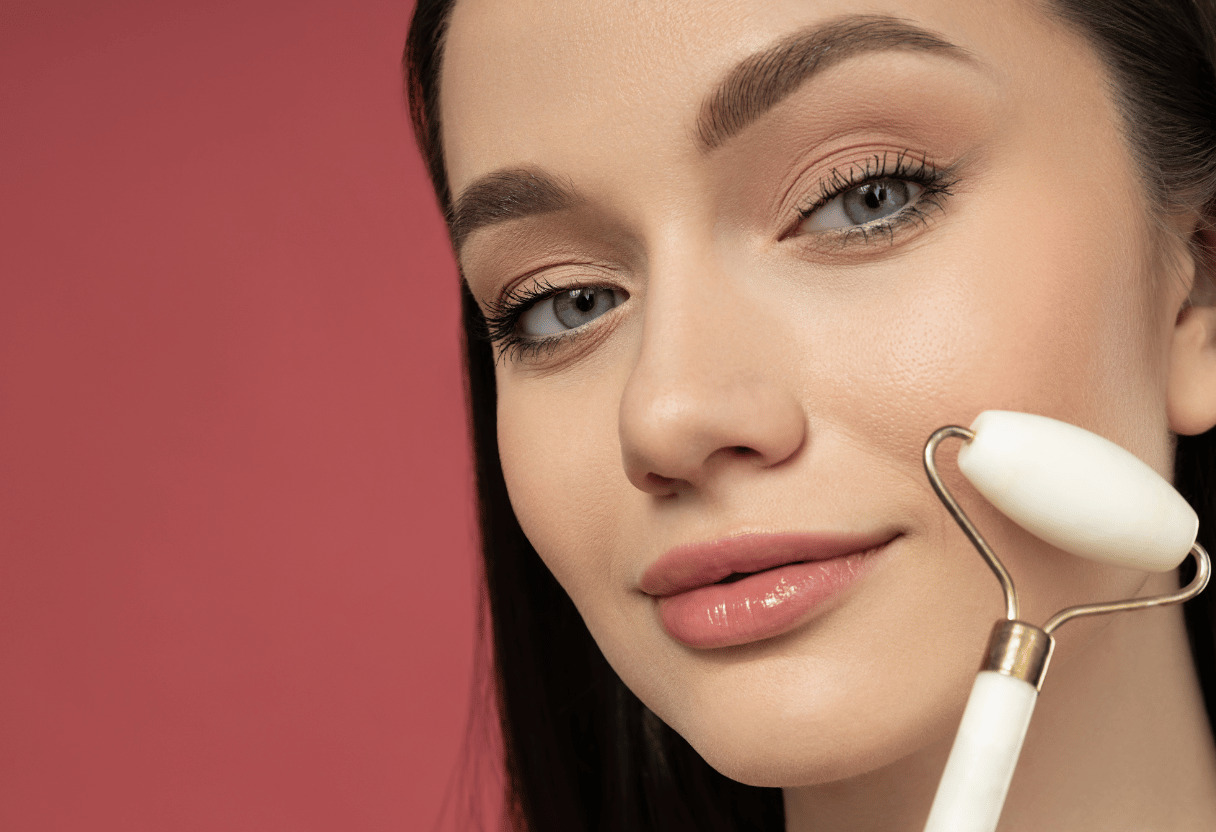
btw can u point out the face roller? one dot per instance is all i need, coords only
(1080, 493)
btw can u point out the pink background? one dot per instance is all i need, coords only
(236, 581)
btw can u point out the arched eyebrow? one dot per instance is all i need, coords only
(762, 80)
(506, 195)
(750, 89)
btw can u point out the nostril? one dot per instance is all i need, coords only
(659, 481)
(743, 450)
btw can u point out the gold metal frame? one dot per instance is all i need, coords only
(1016, 647)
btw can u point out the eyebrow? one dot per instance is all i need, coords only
(750, 89)
(761, 81)
(507, 195)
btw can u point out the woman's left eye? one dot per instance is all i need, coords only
(568, 309)
(863, 204)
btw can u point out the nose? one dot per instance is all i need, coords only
(711, 389)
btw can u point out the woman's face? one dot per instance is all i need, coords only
(743, 257)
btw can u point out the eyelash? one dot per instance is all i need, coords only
(501, 318)
(935, 185)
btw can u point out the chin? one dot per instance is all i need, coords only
(788, 757)
(757, 737)
(790, 714)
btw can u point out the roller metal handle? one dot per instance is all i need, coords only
(1085, 495)
(972, 791)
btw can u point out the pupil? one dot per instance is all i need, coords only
(875, 200)
(572, 308)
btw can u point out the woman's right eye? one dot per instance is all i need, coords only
(568, 309)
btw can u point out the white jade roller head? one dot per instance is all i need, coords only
(1078, 491)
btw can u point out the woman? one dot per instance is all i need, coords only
(736, 260)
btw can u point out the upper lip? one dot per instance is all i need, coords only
(699, 564)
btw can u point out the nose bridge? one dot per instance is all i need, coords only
(693, 306)
(705, 391)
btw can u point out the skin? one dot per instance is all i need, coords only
(762, 376)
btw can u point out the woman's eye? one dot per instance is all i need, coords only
(863, 204)
(568, 309)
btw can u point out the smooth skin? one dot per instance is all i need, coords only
(765, 373)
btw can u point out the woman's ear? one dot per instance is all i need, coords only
(1191, 393)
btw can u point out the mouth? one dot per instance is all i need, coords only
(753, 587)
(738, 576)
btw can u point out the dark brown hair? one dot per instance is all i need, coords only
(581, 751)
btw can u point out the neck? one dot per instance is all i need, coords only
(1119, 740)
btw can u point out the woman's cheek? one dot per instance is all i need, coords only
(562, 466)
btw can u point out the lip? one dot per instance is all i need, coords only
(786, 578)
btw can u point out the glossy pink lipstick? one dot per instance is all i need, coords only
(747, 588)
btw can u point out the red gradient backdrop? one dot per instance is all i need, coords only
(236, 580)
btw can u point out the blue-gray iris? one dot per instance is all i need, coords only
(576, 307)
(874, 200)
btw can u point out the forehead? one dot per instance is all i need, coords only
(586, 85)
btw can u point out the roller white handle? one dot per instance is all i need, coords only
(973, 787)
(1078, 491)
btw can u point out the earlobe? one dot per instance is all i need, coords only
(1192, 377)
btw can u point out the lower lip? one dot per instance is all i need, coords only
(759, 606)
